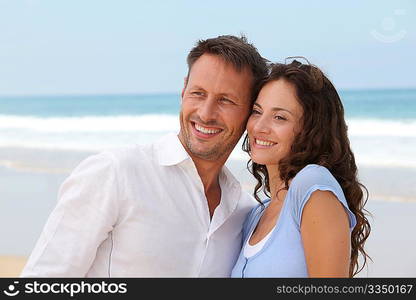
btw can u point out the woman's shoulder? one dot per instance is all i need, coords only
(313, 169)
(310, 179)
(313, 174)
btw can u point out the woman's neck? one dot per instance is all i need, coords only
(275, 182)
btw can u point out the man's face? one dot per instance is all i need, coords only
(215, 108)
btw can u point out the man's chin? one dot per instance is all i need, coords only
(206, 154)
(211, 150)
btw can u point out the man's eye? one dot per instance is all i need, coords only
(226, 100)
(197, 93)
(280, 118)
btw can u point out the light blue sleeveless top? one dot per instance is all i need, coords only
(282, 255)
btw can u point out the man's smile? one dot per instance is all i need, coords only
(205, 132)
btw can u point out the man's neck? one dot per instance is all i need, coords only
(209, 172)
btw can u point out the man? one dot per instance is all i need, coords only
(171, 208)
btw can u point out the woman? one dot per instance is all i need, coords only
(314, 223)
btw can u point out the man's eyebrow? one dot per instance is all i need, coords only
(197, 87)
(230, 95)
(275, 108)
(227, 94)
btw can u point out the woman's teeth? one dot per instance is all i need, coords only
(264, 143)
(206, 130)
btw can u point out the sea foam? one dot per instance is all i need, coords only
(373, 141)
(91, 123)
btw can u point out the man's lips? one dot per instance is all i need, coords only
(205, 132)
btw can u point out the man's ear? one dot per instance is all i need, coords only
(185, 82)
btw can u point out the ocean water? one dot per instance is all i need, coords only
(382, 123)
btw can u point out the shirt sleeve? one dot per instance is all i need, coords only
(310, 179)
(82, 219)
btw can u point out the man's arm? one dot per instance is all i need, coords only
(80, 222)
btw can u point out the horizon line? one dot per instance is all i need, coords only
(69, 94)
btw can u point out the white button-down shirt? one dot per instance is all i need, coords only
(141, 212)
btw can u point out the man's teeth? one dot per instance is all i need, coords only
(264, 143)
(206, 130)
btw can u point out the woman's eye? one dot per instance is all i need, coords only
(280, 118)
(255, 112)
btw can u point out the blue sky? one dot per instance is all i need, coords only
(90, 46)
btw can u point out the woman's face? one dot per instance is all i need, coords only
(274, 122)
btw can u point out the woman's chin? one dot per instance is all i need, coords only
(262, 160)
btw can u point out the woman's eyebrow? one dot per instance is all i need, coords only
(275, 108)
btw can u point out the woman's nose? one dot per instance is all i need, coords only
(261, 125)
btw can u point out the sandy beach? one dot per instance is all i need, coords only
(11, 266)
(28, 194)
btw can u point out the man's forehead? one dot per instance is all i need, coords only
(213, 61)
(210, 71)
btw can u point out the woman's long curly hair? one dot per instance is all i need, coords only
(322, 140)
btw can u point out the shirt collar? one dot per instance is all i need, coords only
(228, 177)
(170, 151)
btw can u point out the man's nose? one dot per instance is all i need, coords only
(208, 109)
